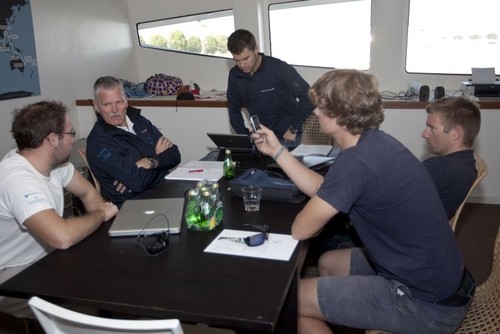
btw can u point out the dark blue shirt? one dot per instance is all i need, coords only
(453, 174)
(275, 92)
(397, 213)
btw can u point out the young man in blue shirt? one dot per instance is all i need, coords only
(409, 276)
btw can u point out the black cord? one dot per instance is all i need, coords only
(162, 242)
(401, 96)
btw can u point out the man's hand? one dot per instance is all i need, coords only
(108, 209)
(142, 163)
(266, 141)
(162, 145)
(120, 187)
(289, 137)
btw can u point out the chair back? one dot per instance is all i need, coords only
(482, 170)
(83, 154)
(311, 134)
(58, 320)
(484, 312)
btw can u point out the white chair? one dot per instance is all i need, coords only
(58, 320)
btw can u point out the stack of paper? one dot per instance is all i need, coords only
(305, 150)
(197, 171)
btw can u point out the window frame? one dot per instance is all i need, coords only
(310, 3)
(422, 71)
(178, 20)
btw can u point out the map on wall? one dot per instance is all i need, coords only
(18, 62)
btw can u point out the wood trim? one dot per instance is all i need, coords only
(223, 104)
(166, 103)
(421, 105)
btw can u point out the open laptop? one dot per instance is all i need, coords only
(234, 142)
(145, 215)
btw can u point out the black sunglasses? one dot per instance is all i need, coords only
(252, 240)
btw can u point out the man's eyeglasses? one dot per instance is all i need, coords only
(252, 240)
(72, 133)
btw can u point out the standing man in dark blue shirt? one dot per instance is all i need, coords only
(266, 87)
(451, 127)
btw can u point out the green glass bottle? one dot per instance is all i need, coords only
(192, 216)
(207, 213)
(228, 166)
(218, 206)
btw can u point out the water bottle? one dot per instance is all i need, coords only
(218, 207)
(228, 166)
(192, 216)
(207, 212)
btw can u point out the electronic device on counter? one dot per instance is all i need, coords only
(482, 90)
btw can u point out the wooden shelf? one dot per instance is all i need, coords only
(171, 102)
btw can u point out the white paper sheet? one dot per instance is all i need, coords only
(484, 75)
(304, 149)
(278, 247)
(198, 170)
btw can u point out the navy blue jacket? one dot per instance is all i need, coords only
(275, 92)
(112, 153)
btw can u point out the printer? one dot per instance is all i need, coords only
(483, 83)
(482, 90)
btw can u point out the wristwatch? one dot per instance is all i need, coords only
(292, 129)
(153, 163)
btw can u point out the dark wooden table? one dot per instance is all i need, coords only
(249, 295)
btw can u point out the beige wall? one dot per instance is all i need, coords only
(76, 42)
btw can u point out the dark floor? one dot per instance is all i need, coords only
(476, 231)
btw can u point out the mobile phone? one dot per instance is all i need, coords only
(255, 122)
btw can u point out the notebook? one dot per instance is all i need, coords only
(234, 142)
(135, 214)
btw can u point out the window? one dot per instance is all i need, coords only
(334, 33)
(204, 33)
(452, 36)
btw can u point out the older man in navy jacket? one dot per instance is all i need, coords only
(126, 152)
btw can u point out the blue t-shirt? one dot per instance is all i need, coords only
(396, 211)
(453, 174)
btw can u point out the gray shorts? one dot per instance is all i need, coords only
(366, 300)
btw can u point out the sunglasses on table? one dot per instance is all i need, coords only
(252, 240)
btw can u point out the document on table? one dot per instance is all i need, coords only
(277, 247)
(197, 171)
(305, 149)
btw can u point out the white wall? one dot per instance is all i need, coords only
(76, 42)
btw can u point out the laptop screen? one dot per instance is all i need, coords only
(234, 142)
